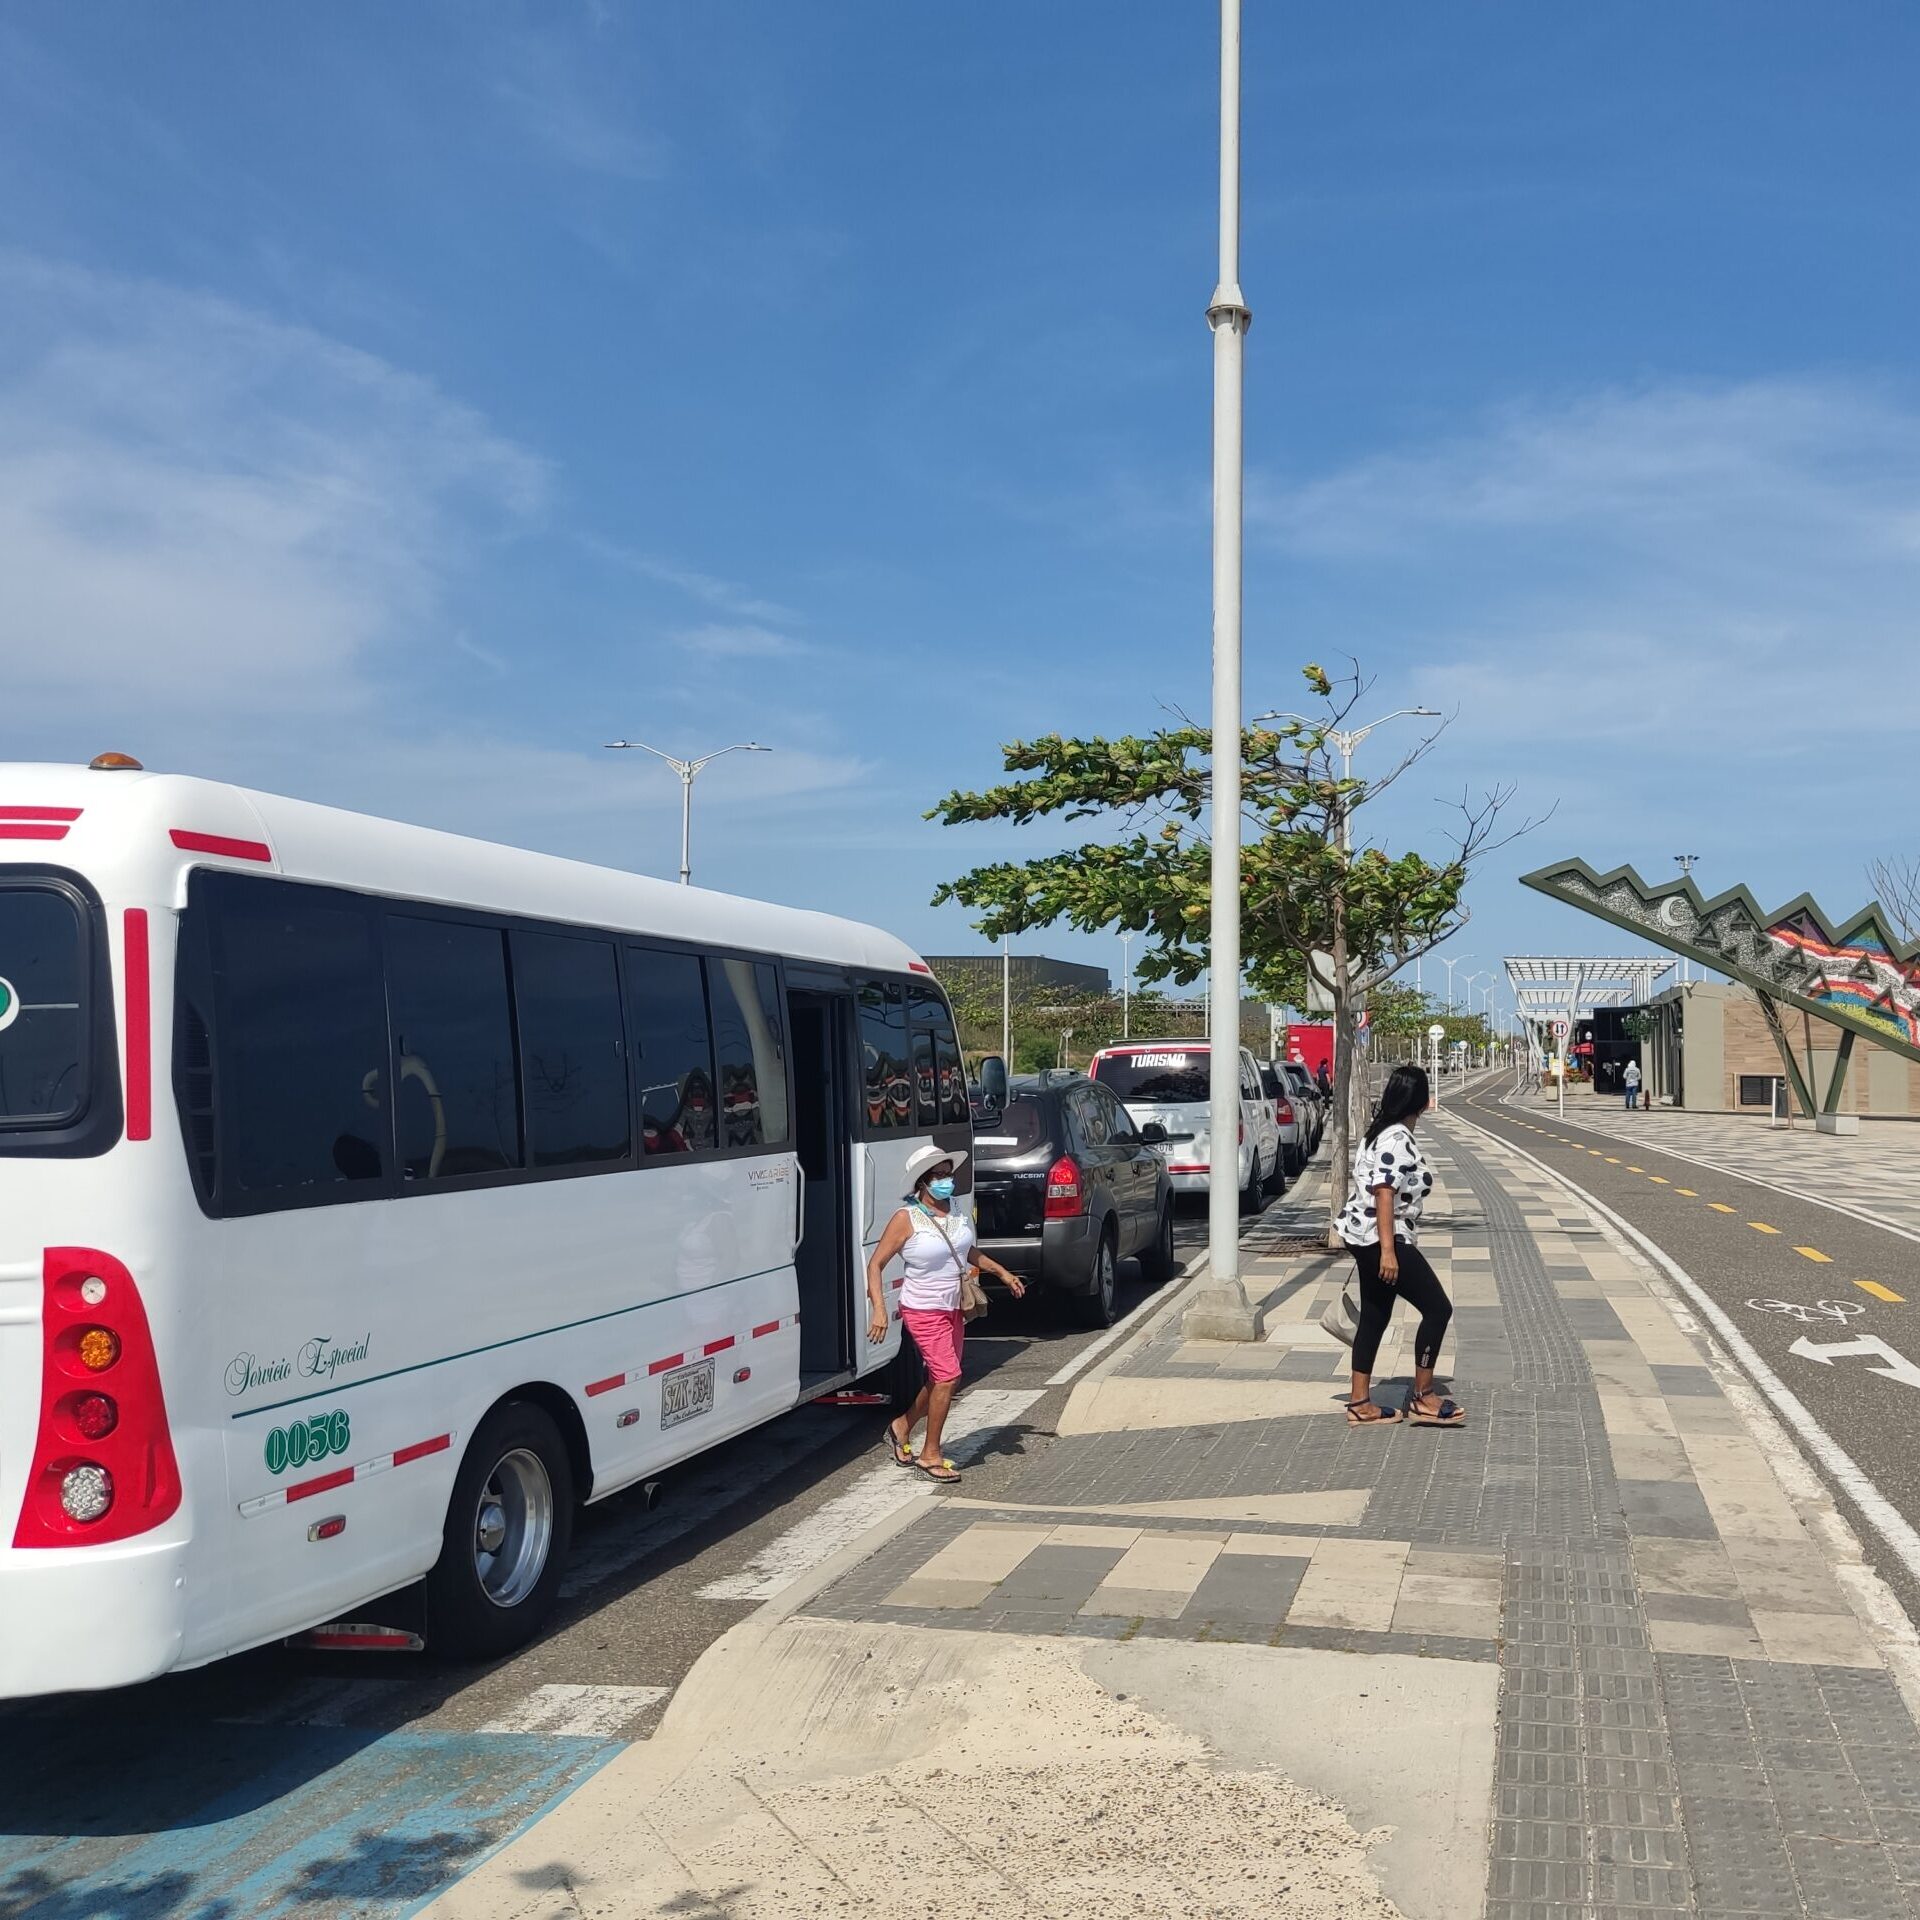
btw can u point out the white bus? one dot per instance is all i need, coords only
(370, 1197)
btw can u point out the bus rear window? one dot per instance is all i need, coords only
(43, 1008)
(1177, 1077)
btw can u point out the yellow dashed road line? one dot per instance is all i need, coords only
(1688, 1191)
(1814, 1253)
(1719, 1206)
(1879, 1292)
(1760, 1226)
(1659, 1179)
(1613, 1159)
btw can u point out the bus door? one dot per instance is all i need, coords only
(827, 1256)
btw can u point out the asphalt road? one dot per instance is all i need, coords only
(285, 1782)
(1784, 1271)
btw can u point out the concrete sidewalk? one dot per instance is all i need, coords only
(1213, 1652)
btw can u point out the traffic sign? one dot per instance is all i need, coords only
(1559, 1029)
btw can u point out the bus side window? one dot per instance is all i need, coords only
(458, 1098)
(750, 1052)
(301, 1032)
(672, 1052)
(573, 1060)
(886, 1074)
(938, 1073)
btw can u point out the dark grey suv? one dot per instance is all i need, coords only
(1065, 1187)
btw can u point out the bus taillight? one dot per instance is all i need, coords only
(103, 1466)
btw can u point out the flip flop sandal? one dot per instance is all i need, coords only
(902, 1450)
(941, 1474)
(1451, 1414)
(1379, 1417)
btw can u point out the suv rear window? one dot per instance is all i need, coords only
(1178, 1077)
(43, 1008)
(1016, 1128)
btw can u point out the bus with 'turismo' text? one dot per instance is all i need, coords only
(371, 1198)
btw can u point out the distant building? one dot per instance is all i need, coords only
(1030, 972)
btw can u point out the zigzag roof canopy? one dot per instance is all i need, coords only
(1856, 975)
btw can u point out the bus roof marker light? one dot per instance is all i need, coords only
(114, 763)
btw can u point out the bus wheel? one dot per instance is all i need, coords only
(508, 1529)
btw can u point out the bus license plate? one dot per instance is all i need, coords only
(686, 1394)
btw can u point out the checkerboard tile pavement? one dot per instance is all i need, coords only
(1691, 1719)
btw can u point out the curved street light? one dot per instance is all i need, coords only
(686, 769)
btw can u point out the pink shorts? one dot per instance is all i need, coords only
(938, 1334)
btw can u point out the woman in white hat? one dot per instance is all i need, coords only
(936, 1248)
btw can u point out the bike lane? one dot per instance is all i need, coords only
(1828, 1302)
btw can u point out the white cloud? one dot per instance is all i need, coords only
(1707, 568)
(740, 643)
(205, 510)
(574, 111)
(710, 590)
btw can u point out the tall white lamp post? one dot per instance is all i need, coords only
(687, 769)
(1456, 960)
(1221, 1310)
(1126, 986)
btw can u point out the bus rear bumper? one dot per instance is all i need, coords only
(91, 1617)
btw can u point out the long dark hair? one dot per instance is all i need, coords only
(1404, 1098)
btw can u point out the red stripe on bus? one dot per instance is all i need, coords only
(605, 1386)
(718, 1346)
(139, 1028)
(220, 844)
(421, 1448)
(306, 1489)
(672, 1360)
(21, 830)
(772, 1326)
(39, 813)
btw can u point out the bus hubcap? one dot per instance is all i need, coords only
(513, 1530)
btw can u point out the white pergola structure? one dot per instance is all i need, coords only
(1550, 987)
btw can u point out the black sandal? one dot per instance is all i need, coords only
(940, 1472)
(1379, 1416)
(1449, 1414)
(902, 1450)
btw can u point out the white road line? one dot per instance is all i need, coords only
(1755, 1180)
(588, 1713)
(1880, 1512)
(975, 1419)
(699, 1490)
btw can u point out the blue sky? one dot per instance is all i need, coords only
(396, 403)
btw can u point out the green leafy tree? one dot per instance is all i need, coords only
(1317, 900)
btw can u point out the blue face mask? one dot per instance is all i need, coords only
(941, 1189)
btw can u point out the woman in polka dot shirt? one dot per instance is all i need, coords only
(1381, 1224)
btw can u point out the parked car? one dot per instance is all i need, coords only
(1307, 1094)
(1065, 1187)
(1165, 1083)
(1288, 1119)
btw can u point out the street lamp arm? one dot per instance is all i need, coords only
(742, 746)
(682, 767)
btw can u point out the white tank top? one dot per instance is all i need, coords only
(935, 1256)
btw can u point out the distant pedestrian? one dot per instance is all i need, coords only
(935, 1246)
(1380, 1224)
(1324, 1080)
(1632, 1078)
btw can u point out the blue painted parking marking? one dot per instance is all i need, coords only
(108, 1815)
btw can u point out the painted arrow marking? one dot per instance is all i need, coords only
(1898, 1366)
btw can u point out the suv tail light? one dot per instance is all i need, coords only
(1283, 1112)
(1066, 1197)
(103, 1464)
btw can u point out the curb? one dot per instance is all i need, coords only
(1753, 1387)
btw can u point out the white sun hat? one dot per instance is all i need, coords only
(921, 1159)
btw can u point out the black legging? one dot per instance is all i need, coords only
(1419, 1286)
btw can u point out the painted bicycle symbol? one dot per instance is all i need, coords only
(1820, 1310)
